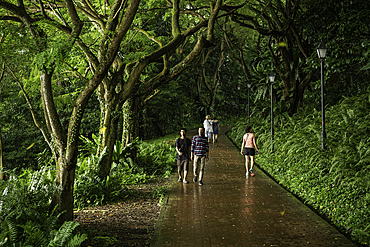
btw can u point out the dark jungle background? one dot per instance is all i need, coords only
(93, 93)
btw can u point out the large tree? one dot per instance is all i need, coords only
(62, 31)
(166, 62)
(291, 31)
(289, 49)
(63, 15)
(343, 26)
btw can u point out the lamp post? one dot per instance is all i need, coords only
(249, 87)
(239, 99)
(321, 52)
(272, 79)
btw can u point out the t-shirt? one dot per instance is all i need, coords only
(183, 149)
(208, 125)
(199, 145)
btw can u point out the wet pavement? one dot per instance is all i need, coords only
(232, 210)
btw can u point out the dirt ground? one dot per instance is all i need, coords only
(127, 223)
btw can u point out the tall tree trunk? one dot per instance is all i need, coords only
(65, 168)
(108, 136)
(1, 157)
(214, 74)
(111, 110)
(132, 113)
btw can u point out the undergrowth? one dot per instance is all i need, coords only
(336, 181)
(25, 219)
(155, 159)
(25, 216)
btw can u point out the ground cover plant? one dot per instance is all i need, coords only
(25, 217)
(137, 187)
(155, 160)
(122, 210)
(335, 182)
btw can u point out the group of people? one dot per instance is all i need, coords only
(197, 149)
(211, 128)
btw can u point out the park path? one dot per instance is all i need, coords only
(232, 210)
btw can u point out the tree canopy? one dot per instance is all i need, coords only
(128, 69)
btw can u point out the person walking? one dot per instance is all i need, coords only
(200, 154)
(208, 127)
(183, 147)
(216, 128)
(249, 149)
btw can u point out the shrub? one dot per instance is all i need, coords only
(155, 158)
(24, 212)
(335, 182)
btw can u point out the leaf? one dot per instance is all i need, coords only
(283, 44)
(30, 146)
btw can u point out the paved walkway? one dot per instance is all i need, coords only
(232, 210)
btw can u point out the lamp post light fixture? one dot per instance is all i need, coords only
(321, 52)
(272, 79)
(249, 88)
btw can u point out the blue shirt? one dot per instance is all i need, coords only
(199, 145)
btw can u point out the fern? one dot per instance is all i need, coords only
(77, 240)
(64, 237)
(339, 174)
(10, 230)
(36, 237)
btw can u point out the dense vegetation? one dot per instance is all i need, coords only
(335, 182)
(25, 216)
(84, 85)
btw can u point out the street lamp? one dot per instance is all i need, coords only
(239, 99)
(249, 88)
(321, 52)
(272, 79)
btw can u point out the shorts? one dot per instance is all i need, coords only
(209, 134)
(183, 163)
(249, 151)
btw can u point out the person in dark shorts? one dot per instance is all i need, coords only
(183, 147)
(216, 128)
(249, 149)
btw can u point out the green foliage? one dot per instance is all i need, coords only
(346, 41)
(157, 157)
(24, 217)
(90, 188)
(18, 130)
(154, 158)
(335, 182)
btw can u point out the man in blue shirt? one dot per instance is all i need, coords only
(200, 153)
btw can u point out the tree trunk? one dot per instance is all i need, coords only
(292, 47)
(63, 197)
(65, 165)
(1, 157)
(111, 112)
(109, 137)
(132, 113)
